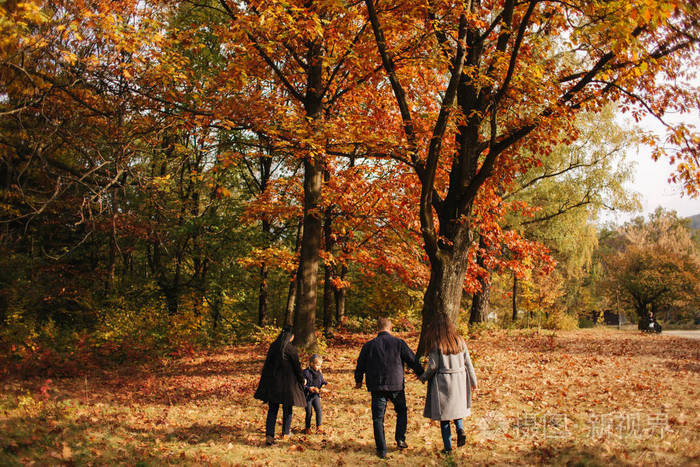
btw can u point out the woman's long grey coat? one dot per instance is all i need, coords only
(450, 379)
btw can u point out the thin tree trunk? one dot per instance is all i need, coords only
(171, 299)
(265, 174)
(291, 301)
(262, 298)
(215, 306)
(340, 295)
(112, 259)
(480, 300)
(515, 297)
(328, 269)
(292, 293)
(328, 300)
(263, 292)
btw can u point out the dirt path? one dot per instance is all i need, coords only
(689, 334)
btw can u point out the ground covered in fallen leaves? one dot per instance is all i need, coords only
(587, 397)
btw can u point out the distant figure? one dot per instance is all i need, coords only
(281, 382)
(382, 359)
(649, 324)
(451, 379)
(654, 326)
(313, 388)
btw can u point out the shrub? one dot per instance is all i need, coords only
(262, 335)
(560, 320)
(361, 324)
(585, 322)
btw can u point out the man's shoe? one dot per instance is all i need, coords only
(307, 431)
(402, 444)
(269, 440)
(446, 452)
(381, 454)
(461, 438)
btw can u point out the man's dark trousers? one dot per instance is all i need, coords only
(379, 402)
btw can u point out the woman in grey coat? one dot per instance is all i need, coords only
(451, 379)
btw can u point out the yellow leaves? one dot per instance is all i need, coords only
(272, 257)
(69, 57)
(222, 192)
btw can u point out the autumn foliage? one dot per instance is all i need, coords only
(228, 164)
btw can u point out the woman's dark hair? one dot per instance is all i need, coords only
(284, 339)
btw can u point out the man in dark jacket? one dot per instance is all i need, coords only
(382, 359)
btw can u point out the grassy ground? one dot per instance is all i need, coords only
(590, 397)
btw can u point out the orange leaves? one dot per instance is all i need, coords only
(271, 256)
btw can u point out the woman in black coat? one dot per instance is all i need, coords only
(281, 382)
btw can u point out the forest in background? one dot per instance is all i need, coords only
(187, 174)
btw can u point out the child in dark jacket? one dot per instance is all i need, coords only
(313, 387)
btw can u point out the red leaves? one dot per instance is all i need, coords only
(44, 389)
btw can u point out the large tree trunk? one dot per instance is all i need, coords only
(307, 276)
(444, 292)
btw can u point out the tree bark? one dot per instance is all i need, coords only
(328, 269)
(262, 297)
(515, 297)
(112, 259)
(328, 300)
(480, 301)
(171, 299)
(292, 293)
(340, 295)
(444, 292)
(307, 276)
(265, 174)
(291, 301)
(310, 255)
(215, 307)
